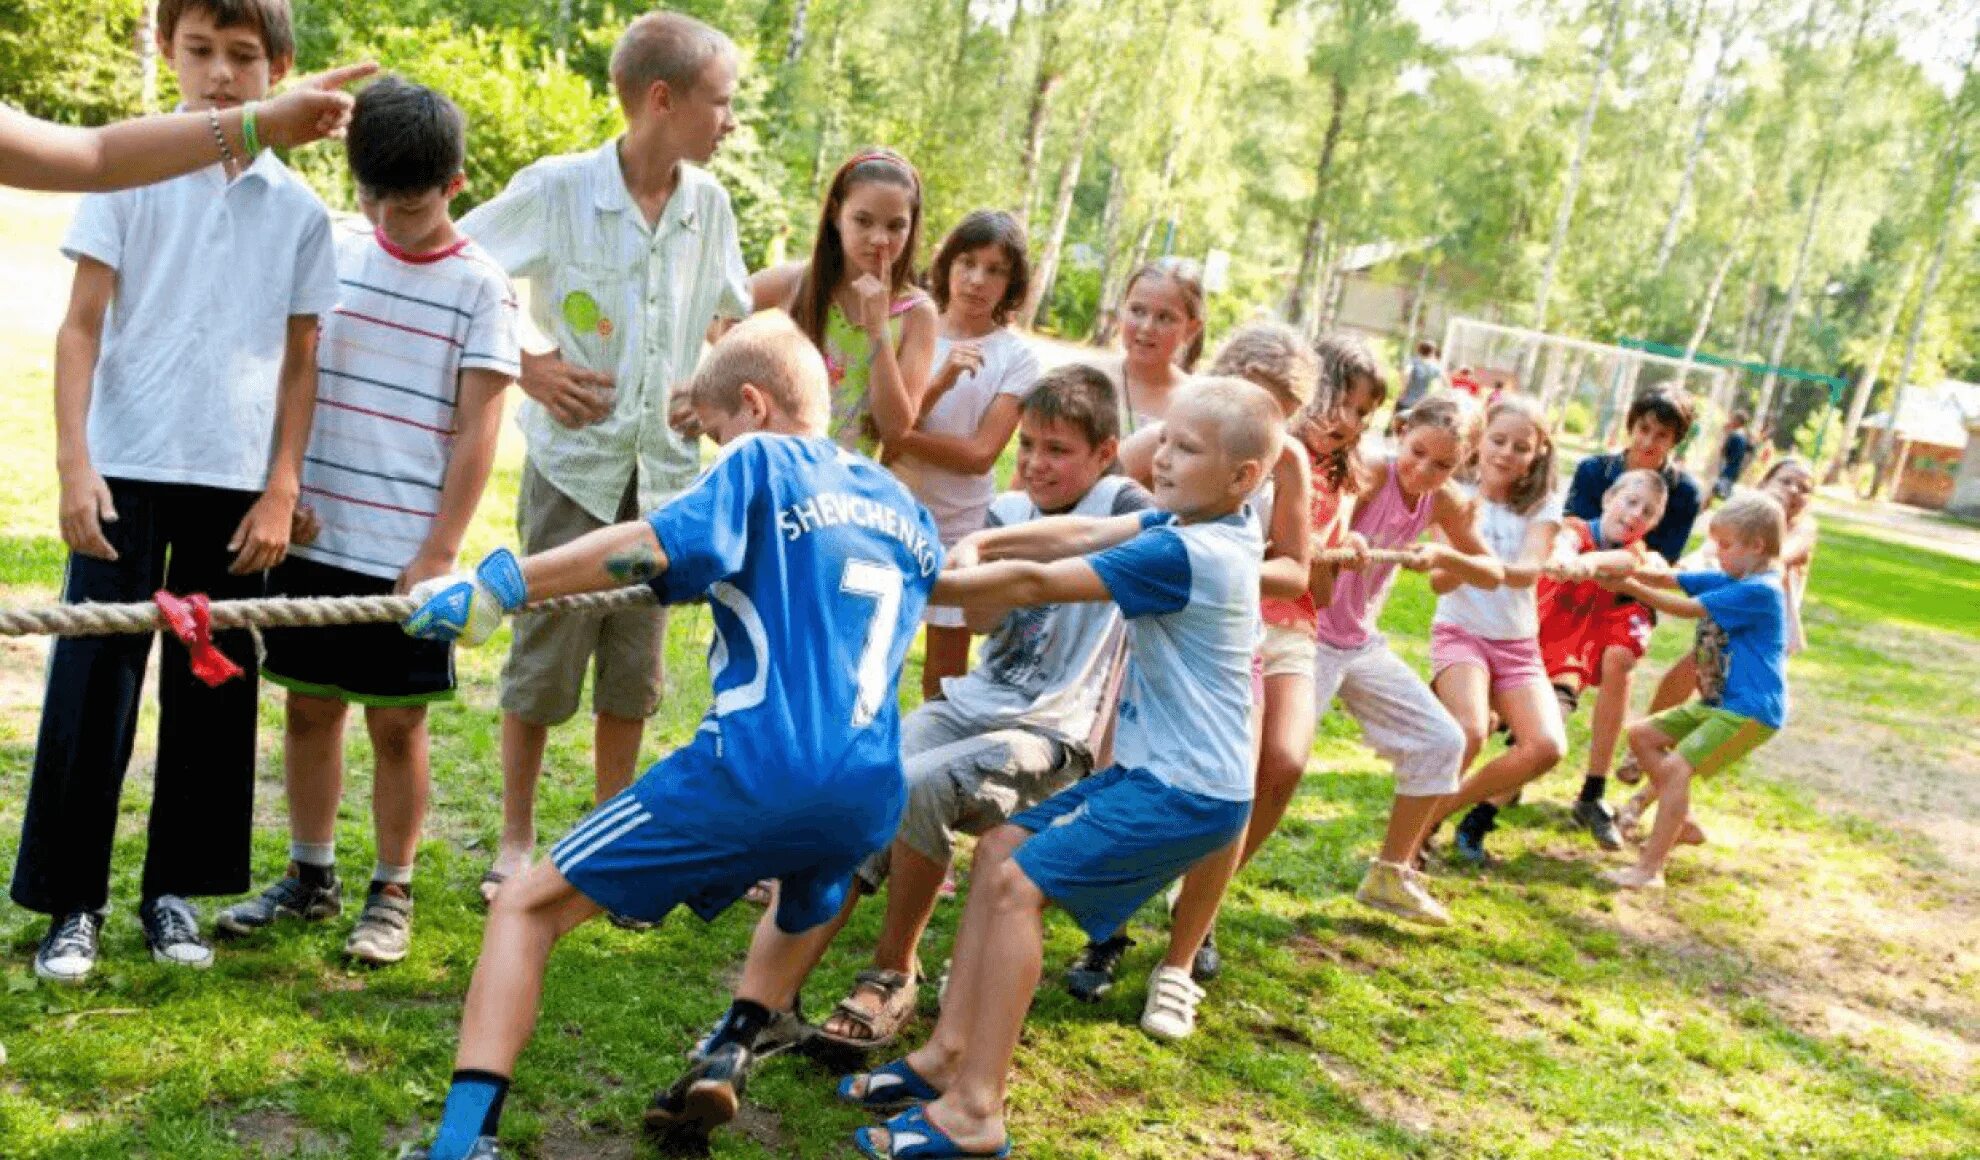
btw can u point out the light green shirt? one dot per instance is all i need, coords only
(619, 297)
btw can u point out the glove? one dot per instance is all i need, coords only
(468, 607)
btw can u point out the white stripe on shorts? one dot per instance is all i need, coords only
(569, 862)
(603, 818)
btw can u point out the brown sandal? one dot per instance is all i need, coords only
(897, 991)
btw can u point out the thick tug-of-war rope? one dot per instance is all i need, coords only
(323, 611)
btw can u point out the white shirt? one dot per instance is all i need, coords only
(956, 499)
(209, 272)
(1502, 613)
(389, 365)
(619, 297)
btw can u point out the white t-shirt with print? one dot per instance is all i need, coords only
(1502, 613)
(958, 500)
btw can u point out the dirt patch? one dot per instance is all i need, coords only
(279, 1132)
(569, 1141)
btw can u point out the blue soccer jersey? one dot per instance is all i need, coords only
(816, 564)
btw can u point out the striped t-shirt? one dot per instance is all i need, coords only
(389, 363)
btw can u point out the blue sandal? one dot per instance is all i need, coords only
(911, 1137)
(889, 1088)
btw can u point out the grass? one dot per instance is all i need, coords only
(1810, 985)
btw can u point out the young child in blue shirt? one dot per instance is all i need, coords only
(816, 564)
(1186, 579)
(1742, 682)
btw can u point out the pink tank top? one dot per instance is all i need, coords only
(1385, 522)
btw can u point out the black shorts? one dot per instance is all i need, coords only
(367, 664)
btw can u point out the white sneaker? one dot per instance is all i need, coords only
(68, 953)
(1171, 1009)
(1399, 890)
(171, 930)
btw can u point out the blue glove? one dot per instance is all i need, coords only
(469, 607)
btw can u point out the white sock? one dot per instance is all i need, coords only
(306, 854)
(391, 875)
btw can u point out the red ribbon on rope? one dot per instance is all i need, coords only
(191, 620)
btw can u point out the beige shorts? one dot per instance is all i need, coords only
(1288, 651)
(547, 661)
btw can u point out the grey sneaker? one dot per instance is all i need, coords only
(68, 952)
(383, 932)
(1594, 816)
(292, 897)
(171, 930)
(484, 1149)
(786, 1030)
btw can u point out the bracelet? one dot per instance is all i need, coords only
(249, 137)
(219, 137)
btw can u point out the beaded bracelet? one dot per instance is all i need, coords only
(249, 137)
(219, 137)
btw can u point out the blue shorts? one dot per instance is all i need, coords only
(688, 834)
(1103, 847)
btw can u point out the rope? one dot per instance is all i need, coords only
(323, 611)
(273, 612)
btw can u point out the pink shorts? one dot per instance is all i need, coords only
(1512, 664)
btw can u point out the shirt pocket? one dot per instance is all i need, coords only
(592, 313)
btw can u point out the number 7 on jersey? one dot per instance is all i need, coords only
(883, 584)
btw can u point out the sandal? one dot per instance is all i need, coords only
(491, 885)
(889, 1088)
(910, 1136)
(761, 894)
(897, 992)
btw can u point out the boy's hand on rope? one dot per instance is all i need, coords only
(262, 538)
(304, 527)
(84, 508)
(469, 607)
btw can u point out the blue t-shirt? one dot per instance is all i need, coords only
(1752, 612)
(1732, 456)
(1190, 596)
(816, 564)
(1592, 477)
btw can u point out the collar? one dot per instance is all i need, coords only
(610, 195)
(405, 255)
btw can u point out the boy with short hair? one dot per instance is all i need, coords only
(1733, 451)
(1742, 681)
(1022, 725)
(1186, 579)
(185, 371)
(411, 369)
(631, 253)
(816, 564)
(1658, 419)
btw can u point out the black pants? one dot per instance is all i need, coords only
(172, 536)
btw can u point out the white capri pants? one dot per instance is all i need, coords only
(1400, 717)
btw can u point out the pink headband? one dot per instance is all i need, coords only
(893, 159)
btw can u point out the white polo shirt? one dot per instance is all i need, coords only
(618, 297)
(208, 275)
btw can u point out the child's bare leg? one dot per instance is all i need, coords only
(1677, 685)
(778, 962)
(1538, 744)
(945, 654)
(313, 766)
(914, 883)
(1611, 707)
(1409, 823)
(615, 743)
(1010, 954)
(524, 923)
(400, 782)
(937, 1060)
(1196, 907)
(523, 743)
(1286, 734)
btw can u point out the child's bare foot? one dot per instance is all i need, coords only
(1690, 834)
(1627, 771)
(1629, 821)
(1634, 878)
(942, 1130)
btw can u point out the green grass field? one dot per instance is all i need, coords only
(1809, 985)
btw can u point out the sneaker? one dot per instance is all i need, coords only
(704, 1098)
(383, 933)
(171, 930)
(786, 1030)
(628, 922)
(1092, 974)
(1208, 961)
(68, 953)
(1594, 816)
(484, 1149)
(1171, 1009)
(1469, 842)
(292, 897)
(1399, 891)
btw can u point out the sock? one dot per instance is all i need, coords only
(1479, 821)
(385, 872)
(315, 864)
(474, 1110)
(1592, 788)
(744, 1019)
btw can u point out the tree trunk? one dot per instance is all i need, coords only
(1786, 325)
(1309, 251)
(1416, 311)
(794, 43)
(1948, 222)
(1565, 217)
(1048, 258)
(1035, 125)
(146, 39)
(1110, 226)
(1866, 383)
